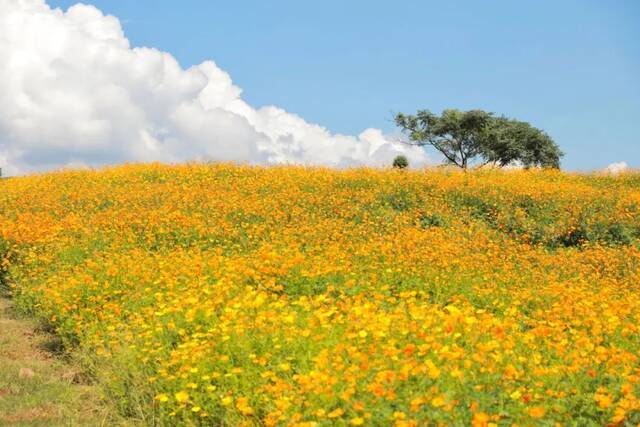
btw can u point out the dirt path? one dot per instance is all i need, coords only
(36, 387)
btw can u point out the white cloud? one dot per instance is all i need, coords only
(616, 168)
(73, 91)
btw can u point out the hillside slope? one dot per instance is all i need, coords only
(219, 293)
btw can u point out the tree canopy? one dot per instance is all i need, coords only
(400, 162)
(463, 136)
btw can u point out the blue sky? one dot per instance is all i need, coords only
(571, 68)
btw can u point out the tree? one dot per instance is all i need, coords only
(400, 162)
(508, 141)
(462, 136)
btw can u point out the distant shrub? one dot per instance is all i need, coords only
(400, 162)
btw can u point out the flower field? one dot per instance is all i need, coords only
(236, 295)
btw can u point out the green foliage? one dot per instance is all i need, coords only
(614, 234)
(540, 221)
(619, 234)
(462, 136)
(509, 141)
(431, 220)
(455, 134)
(6, 256)
(574, 237)
(400, 162)
(477, 206)
(401, 199)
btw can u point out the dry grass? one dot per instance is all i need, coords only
(37, 388)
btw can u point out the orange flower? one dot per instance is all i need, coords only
(536, 412)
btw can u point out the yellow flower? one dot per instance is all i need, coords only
(398, 415)
(181, 396)
(432, 370)
(357, 421)
(335, 413)
(604, 401)
(438, 401)
(284, 367)
(162, 397)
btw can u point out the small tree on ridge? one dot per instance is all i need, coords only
(400, 162)
(462, 136)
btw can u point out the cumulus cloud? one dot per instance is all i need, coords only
(74, 92)
(616, 168)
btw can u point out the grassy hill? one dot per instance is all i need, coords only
(264, 296)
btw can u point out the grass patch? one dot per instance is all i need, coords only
(38, 388)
